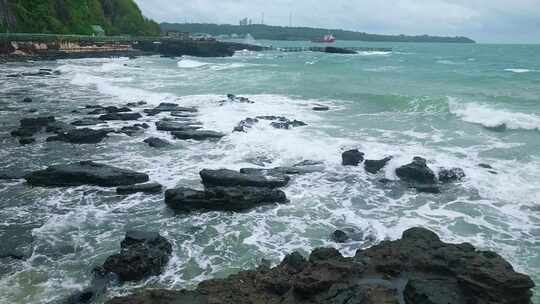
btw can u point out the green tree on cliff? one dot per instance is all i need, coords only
(77, 16)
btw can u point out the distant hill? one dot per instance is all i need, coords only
(260, 31)
(74, 17)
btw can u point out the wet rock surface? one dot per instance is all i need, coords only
(85, 173)
(155, 142)
(149, 188)
(81, 136)
(121, 116)
(416, 172)
(352, 157)
(176, 126)
(278, 122)
(419, 268)
(142, 254)
(197, 135)
(374, 166)
(222, 198)
(249, 178)
(451, 175)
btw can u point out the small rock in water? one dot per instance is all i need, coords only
(339, 236)
(142, 254)
(451, 175)
(374, 166)
(352, 157)
(26, 141)
(155, 142)
(416, 172)
(87, 122)
(81, 136)
(485, 166)
(27, 100)
(320, 108)
(197, 135)
(120, 116)
(140, 188)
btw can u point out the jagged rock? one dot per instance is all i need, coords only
(120, 116)
(109, 110)
(278, 122)
(417, 172)
(30, 126)
(155, 142)
(235, 99)
(85, 173)
(23, 141)
(81, 136)
(175, 126)
(433, 271)
(142, 254)
(169, 107)
(197, 135)
(451, 175)
(374, 166)
(136, 104)
(227, 178)
(140, 188)
(352, 157)
(222, 198)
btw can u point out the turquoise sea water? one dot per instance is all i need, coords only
(456, 105)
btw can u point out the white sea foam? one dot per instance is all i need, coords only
(519, 71)
(374, 53)
(190, 63)
(491, 117)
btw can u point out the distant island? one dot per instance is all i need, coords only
(268, 32)
(84, 17)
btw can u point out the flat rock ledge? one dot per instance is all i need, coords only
(417, 269)
(246, 177)
(85, 173)
(235, 199)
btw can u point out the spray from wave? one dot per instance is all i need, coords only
(493, 118)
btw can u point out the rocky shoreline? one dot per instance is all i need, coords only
(419, 268)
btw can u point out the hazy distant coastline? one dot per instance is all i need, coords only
(268, 32)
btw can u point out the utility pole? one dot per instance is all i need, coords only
(290, 19)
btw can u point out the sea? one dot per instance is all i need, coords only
(456, 105)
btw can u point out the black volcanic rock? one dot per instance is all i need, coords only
(227, 178)
(155, 142)
(85, 173)
(197, 135)
(222, 198)
(120, 116)
(140, 188)
(352, 158)
(416, 172)
(81, 136)
(142, 254)
(417, 269)
(374, 166)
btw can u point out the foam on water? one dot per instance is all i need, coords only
(519, 71)
(190, 63)
(491, 117)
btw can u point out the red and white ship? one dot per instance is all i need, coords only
(329, 38)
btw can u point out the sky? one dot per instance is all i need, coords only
(488, 21)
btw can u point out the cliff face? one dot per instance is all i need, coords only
(75, 17)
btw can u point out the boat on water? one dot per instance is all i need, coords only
(329, 38)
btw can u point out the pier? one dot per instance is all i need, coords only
(324, 49)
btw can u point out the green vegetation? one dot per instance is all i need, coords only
(77, 16)
(301, 33)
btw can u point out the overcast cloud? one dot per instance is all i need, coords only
(483, 20)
